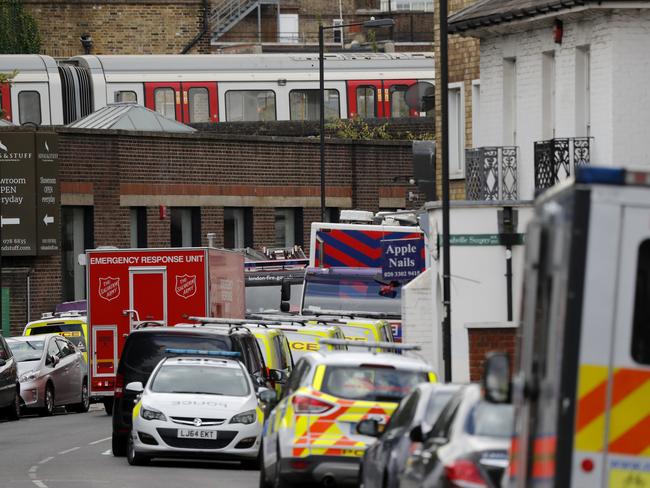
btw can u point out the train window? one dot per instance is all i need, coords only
(29, 107)
(250, 105)
(366, 102)
(125, 96)
(398, 106)
(305, 104)
(641, 321)
(164, 102)
(198, 102)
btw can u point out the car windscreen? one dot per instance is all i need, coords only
(437, 402)
(200, 380)
(143, 351)
(490, 420)
(351, 294)
(266, 298)
(371, 383)
(73, 332)
(27, 350)
(357, 333)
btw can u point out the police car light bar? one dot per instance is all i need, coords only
(612, 176)
(371, 345)
(201, 352)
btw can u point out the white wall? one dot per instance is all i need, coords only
(618, 43)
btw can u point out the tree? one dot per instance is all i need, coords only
(18, 30)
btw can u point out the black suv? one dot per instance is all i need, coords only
(9, 385)
(145, 348)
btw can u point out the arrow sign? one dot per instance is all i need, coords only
(9, 221)
(48, 219)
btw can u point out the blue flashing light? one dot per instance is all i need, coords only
(608, 176)
(201, 352)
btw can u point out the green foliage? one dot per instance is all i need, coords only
(18, 29)
(359, 129)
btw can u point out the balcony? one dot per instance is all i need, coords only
(557, 159)
(491, 173)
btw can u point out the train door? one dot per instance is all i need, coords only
(164, 98)
(200, 102)
(365, 99)
(31, 103)
(5, 101)
(394, 98)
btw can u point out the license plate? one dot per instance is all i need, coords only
(197, 434)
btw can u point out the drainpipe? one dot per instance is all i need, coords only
(203, 32)
(29, 296)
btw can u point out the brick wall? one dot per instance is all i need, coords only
(483, 341)
(115, 170)
(464, 67)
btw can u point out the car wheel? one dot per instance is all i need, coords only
(48, 401)
(84, 404)
(13, 411)
(108, 405)
(118, 444)
(134, 457)
(278, 481)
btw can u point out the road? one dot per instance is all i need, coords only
(73, 451)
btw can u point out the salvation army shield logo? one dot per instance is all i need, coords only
(109, 288)
(185, 286)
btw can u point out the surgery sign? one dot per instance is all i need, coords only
(402, 259)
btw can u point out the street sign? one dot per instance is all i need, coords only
(402, 259)
(17, 194)
(48, 214)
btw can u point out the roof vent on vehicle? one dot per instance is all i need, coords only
(356, 216)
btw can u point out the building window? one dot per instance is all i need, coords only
(77, 227)
(641, 321)
(366, 102)
(185, 227)
(417, 5)
(548, 95)
(164, 102)
(289, 28)
(288, 227)
(237, 227)
(250, 105)
(125, 96)
(332, 215)
(198, 101)
(398, 106)
(305, 104)
(456, 131)
(476, 111)
(583, 92)
(509, 102)
(138, 227)
(29, 107)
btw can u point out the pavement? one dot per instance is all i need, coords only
(74, 451)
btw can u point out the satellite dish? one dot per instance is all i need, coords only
(421, 96)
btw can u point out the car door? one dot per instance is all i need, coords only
(7, 377)
(72, 369)
(55, 371)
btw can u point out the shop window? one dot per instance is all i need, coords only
(305, 104)
(250, 105)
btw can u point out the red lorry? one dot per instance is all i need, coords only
(132, 288)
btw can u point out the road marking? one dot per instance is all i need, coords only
(39, 483)
(46, 460)
(107, 452)
(67, 451)
(33, 469)
(99, 441)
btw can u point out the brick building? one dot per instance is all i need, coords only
(137, 189)
(204, 26)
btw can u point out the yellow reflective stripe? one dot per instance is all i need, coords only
(629, 411)
(590, 438)
(318, 377)
(136, 409)
(432, 377)
(260, 414)
(590, 377)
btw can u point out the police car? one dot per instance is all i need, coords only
(202, 404)
(311, 436)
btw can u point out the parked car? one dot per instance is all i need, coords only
(276, 351)
(70, 324)
(384, 461)
(52, 372)
(9, 385)
(202, 405)
(467, 446)
(144, 348)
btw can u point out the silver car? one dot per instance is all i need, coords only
(52, 372)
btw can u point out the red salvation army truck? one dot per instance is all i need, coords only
(131, 288)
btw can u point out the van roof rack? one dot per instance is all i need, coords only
(371, 344)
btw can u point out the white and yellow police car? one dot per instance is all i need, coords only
(311, 436)
(203, 404)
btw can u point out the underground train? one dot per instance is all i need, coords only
(213, 88)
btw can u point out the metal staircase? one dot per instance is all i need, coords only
(229, 13)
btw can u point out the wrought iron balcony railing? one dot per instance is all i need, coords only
(491, 173)
(557, 159)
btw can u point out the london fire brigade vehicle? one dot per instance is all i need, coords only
(360, 266)
(135, 288)
(582, 385)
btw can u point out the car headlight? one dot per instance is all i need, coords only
(244, 418)
(149, 413)
(29, 375)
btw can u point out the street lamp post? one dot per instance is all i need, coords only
(368, 24)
